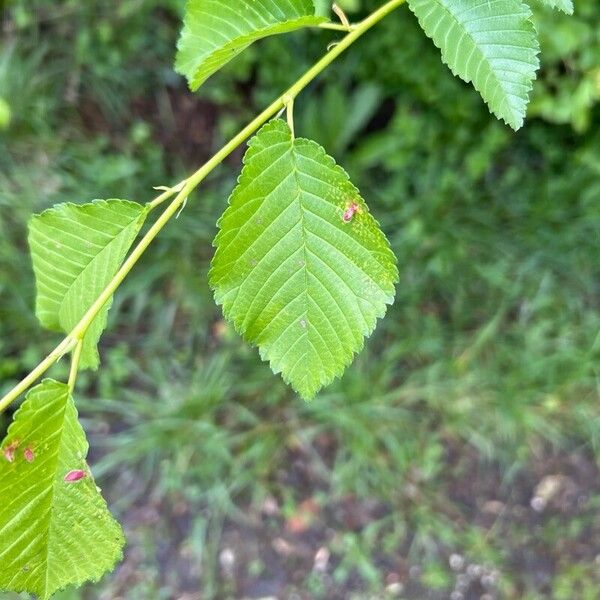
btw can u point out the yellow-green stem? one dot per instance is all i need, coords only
(337, 26)
(184, 189)
(63, 348)
(75, 359)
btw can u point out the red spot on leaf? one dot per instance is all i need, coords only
(350, 211)
(29, 455)
(9, 451)
(73, 476)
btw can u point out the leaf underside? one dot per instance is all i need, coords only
(492, 44)
(323, 7)
(76, 250)
(565, 5)
(216, 31)
(52, 533)
(294, 277)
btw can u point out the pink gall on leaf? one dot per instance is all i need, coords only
(9, 451)
(350, 211)
(74, 476)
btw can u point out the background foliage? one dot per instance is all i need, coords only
(460, 452)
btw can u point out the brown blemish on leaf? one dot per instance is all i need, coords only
(9, 451)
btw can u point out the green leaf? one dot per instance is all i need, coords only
(76, 250)
(293, 276)
(52, 533)
(216, 31)
(492, 44)
(565, 5)
(323, 7)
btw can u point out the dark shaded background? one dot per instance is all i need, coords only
(458, 457)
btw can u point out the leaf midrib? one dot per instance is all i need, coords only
(73, 286)
(237, 45)
(298, 199)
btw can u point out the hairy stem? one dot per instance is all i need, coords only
(184, 189)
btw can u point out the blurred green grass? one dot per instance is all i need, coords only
(479, 387)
